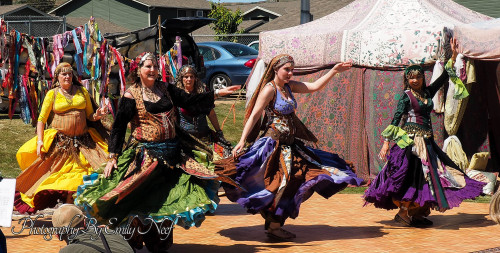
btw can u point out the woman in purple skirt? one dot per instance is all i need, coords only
(278, 171)
(418, 175)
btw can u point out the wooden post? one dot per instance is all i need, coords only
(159, 33)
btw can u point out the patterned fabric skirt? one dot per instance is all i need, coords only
(425, 178)
(42, 183)
(153, 180)
(275, 179)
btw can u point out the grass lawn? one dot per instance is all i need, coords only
(233, 126)
(13, 134)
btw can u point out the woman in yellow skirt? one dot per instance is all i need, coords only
(54, 162)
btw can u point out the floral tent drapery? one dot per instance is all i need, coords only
(386, 33)
(480, 40)
(381, 38)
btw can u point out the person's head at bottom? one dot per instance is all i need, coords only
(68, 215)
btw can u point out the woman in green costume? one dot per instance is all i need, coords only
(153, 178)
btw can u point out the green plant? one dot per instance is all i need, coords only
(227, 22)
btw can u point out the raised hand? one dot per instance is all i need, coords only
(342, 66)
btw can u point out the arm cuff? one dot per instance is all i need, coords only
(398, 135)
(460, 90)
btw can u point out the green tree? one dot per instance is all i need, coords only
(42, 5)
(227, 22)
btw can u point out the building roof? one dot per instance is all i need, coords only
(191, 4)
(104, 25)
(289, 12)
(8, 9)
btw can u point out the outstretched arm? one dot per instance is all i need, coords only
(265, 97)
(306, 87)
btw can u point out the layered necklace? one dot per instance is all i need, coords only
(419, 95)
(150, 94)
(68, 95)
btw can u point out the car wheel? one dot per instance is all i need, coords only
(220, 81)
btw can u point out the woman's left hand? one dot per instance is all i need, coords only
(342, 66)
(228, 90)
(101, 111)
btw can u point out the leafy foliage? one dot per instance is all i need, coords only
(227, 22)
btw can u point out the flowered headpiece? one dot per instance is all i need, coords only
(139, 60)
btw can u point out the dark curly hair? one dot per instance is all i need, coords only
(199, 87)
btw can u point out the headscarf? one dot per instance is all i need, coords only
(199, 87)
(137, 63)
(276, 63)
(410, 71)
(63, 67)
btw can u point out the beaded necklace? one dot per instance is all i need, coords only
(68, 95)
(150, 94)
(419, 95)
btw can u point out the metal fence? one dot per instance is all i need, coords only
(240, 38)
(37, 26)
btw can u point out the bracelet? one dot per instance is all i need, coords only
(39, 142)
(216, 93)
(112, 156)
(387, 140)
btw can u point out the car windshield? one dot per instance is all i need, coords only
(240, 50)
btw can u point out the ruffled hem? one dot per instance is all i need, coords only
(43, 199)
(398, 135)
(192, 218)
(250, 171)
(390, 185)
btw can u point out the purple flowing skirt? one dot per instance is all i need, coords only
(402, 179)
(255, 197)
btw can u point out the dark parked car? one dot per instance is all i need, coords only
(226, 63)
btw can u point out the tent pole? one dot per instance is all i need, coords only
(159, 33)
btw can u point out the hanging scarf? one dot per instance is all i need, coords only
(86, 35)
(122, 69)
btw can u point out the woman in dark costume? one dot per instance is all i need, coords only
(153, 177)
